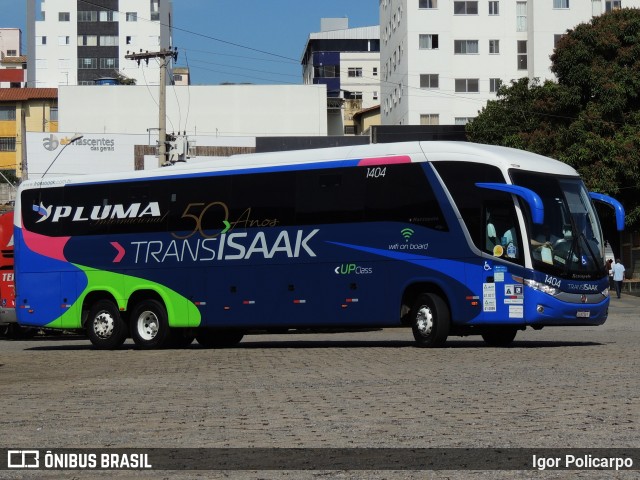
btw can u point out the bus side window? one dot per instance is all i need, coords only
(404, 194)
(489, 216)
(503, 239)
(329, 196)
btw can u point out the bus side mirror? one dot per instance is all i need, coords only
(529, 196)
(612, 202)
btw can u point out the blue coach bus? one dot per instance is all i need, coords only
(445, 238)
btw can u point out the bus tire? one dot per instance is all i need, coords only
(150, 325)
(430, 320)
(105, 327)
(218, 339)
(499, 336)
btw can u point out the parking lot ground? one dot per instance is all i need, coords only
(555, 388)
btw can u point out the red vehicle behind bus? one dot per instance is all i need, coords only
(8, 323)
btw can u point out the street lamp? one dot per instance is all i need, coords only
(73, 139)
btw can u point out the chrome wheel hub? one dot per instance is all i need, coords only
(103, 325)
(148, 325)
(424, 321)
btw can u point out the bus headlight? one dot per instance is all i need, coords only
(542, 287)
(605, 292)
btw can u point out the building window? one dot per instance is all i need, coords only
(375, 95)
(494, 8)
(155, 10)
(53, 115)
(7, 113)
(465, 47)
(494, 84)
(428, 4)
(64, 16)
(462, 120)
(521, 16)
(326, 71)
(353, 95)
(64, 40)
(107, 16)
(375, 71)
(85, 16)
(129, 40)
(132, 16)
(556, 39)
(108, 63)
(87, 63)
(560, 3)
(465, 8)
(494, 46)
(429, 119)
(522, 54)
(41, 40)
(349, 129)
(612, 5)
(354, 72)
(7, 144)
(12, 53)
(467, 85)
(429, 80)
(428, 41)
(108, 41)
(87, 40)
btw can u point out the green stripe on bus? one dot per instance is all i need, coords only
(180, 310)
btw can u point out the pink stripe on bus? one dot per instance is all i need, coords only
(52, 247)
(368, 162)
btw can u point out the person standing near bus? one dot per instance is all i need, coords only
(618, 276)
(609, 268)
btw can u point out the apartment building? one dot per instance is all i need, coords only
(24, 110)
(12, 64)
(77, 42)
(442, 60)
(347, 61)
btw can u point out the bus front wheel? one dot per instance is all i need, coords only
(149, 324)
(430, 320)
(105, 327)
(499, 336)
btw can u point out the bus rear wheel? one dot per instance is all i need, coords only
(218, 339)
(149, 324)
(499, 336)
(105, 327)
(430, 320)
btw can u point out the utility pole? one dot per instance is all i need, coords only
(164, 56)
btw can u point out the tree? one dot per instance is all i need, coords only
(588, 118)
(124, 80)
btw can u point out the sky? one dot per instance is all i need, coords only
(240, 41)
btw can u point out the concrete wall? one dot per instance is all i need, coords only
(221, 110)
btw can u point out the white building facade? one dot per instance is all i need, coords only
(77, 42)
(441, 60)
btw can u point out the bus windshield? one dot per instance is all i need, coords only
(569, 243)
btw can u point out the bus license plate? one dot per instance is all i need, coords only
(583, 314)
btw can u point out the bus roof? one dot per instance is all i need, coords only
(501, 157)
